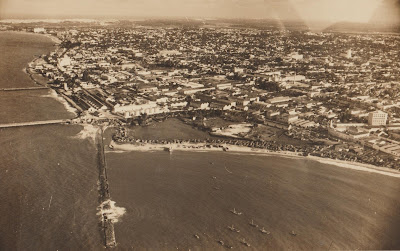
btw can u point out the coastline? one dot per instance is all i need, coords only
(53, 38)
(233, 149)
(52, 93)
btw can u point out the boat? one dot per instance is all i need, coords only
(110, 146)
(293, 233)
(236, 212)
(221, 242)
(253, 224)
(262, 230)
(168, 149)
(233, 229)
(197, 236)
(244, 242)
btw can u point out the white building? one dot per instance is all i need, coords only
(39, 30)
(134, 110)
(377, 118)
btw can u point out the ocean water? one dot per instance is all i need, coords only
(17, 50)
(171, 197)
(48, 175)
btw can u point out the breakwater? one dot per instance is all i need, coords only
(105, 198)
(33, 123)
(24, 88)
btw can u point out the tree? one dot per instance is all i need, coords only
(143, 118)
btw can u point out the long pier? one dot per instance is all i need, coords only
(34, 123)
(105, 197)
(24, 88)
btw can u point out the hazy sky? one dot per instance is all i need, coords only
(308, 10)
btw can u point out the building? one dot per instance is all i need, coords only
(278, 100)
(135, 110)
(39, 30)
(377, 118)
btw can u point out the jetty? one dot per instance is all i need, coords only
(24, 88)
(105, 198)
(35, 123)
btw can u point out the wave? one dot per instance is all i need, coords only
(88, 131)
(53, 94)
(109, 209)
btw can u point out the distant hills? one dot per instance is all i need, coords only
(349, 27)
(386, 19)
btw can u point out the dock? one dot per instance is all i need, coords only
(24, 88)
(35, 123)
(107, 224)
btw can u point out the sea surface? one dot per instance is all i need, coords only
(49, 187)
(48, 174)
(169, 198)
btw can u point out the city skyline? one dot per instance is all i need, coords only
(308, 11)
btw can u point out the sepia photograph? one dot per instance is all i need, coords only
(199, 125)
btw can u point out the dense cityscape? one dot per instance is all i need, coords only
(325, 94)
(200, 133)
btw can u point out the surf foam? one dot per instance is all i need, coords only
(109, 209)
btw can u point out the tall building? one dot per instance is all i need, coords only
(377, 118)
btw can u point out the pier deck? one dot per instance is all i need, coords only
(34, 123)
(24, 88)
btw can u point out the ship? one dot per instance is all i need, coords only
(236, 212)
(244, 242)
(262, 230)
(253, 224)
(233, 229)
(168, 149)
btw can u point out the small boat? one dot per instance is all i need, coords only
(221, 242)
(244, 242)
(225, 149)
(168, 149)
(110, 146)
(262, 230)
(236, 212)
(233, 229)
(253, 224)
(293, 233)
(197, 236)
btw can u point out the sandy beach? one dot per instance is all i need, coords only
(201, 147)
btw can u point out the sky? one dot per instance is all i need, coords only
(305, 10)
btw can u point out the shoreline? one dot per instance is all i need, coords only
(234, 149)
(53, 38)
(52, 93)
